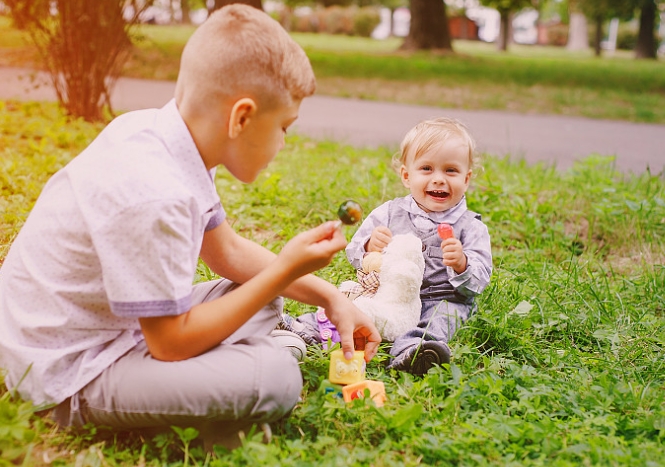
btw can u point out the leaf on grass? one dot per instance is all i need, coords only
(406, 417)
(522, 309)
(456, 373)
(611, 335)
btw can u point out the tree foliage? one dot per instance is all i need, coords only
(82, 45)
(646, 10)
(599, 11)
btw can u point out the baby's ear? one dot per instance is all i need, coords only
(404, 176)
(469, 174)
(241, 113)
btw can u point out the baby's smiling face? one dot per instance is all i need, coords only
(438, 178)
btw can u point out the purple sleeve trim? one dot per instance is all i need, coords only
(152, 309)
(217, 218)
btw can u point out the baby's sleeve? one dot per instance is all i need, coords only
(477, 248)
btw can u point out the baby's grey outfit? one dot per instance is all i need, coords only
(443, 308)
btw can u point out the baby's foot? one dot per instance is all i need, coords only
(418, 359)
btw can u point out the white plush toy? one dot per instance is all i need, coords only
(395, 308)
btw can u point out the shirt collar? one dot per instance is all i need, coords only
(449, 216)
(180, 144)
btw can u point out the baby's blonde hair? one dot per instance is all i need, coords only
(240, 51)
(427, 134)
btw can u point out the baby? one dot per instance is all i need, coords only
(435, 164)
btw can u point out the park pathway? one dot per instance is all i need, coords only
(550, 139)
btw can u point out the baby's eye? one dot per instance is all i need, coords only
(426, 168)
(451, 170)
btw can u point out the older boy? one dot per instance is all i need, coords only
(97, 312)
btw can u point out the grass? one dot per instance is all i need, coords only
(527, 79)
(563, 365)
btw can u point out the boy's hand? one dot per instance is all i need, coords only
(379, 239)
(356, 329)
(453, 255)
(312, 250)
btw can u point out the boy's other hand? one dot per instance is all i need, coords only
(453, 255)
(379, 239)
(313, 249)
(356, 329)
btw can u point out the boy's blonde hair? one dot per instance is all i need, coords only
(240, 51)
(427, 134)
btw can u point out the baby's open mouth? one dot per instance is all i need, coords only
(438, 194)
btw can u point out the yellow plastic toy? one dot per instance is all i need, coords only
(377, 391)
(343, 371)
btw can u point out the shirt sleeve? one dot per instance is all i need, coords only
(355, 250)
(148, 258)
(477, 248)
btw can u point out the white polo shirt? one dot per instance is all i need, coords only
(114, 236)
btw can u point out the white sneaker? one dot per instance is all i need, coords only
(291, 341)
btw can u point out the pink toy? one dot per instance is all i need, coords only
(327, 330)
(445, 231)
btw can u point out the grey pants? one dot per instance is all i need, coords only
(247, 379)
(438, 322)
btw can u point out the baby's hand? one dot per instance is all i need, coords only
(379, 239)
(453, 254)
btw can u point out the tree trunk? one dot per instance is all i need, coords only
(646, 40)
(220, 3)
(504, 30)
(578, 38)
(391, 22)
(429, 26)
(599, 35)
(184, 9)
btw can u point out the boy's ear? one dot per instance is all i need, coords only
(241, 113)
(404, 175)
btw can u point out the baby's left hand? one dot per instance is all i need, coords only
(453, 255)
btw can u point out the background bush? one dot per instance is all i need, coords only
(350, 20)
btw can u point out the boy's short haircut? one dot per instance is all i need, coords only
(429, 133)
(240, 51)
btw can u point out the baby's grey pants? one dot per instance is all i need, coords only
(438, 322)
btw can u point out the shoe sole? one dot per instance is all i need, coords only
(427, 357)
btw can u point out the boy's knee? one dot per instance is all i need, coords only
(281, 383)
